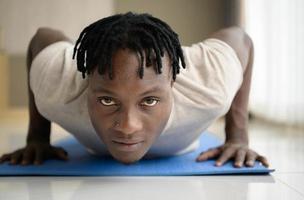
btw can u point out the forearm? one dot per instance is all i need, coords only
(39, 127)
(236, 126)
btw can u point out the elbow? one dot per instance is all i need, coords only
(44, 37)
(39, 40)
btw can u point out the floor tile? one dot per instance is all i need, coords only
(294, 180)
(175, 188)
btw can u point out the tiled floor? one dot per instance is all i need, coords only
(283, 146)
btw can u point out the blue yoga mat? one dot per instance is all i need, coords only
(81, 163)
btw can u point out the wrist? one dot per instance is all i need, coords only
(38, 136)
(35, 139)
(237, 135)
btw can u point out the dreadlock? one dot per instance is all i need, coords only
(142, 33)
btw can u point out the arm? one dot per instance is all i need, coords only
(236, 143)
(38, 146)
(236, 118)
(39, 127)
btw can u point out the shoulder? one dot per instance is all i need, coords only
(238, 39)
(44, 37)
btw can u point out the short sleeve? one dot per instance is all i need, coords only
(213, 74)
(54, 76)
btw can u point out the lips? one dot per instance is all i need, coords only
(127, 142)
(127, 145)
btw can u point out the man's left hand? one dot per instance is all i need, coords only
(239, 151)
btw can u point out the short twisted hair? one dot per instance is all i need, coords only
(142, 33)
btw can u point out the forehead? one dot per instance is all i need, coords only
(126, 65)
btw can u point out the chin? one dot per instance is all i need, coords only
(128, 161)
(127, 158)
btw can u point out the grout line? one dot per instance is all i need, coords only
(287, 172)
(290, 186)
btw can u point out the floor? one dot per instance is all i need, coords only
(283, 146)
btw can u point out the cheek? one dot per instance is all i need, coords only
(100, 119)
(157, 121)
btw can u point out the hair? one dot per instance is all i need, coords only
(144, 34)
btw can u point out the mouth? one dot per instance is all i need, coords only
(127, 146)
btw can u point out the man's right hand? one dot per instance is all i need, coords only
(35, 152)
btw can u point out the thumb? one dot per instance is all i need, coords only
(60, 153)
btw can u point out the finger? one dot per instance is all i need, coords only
(226, 155)
(239, 158)
(16, 157)
(263, 160)
(61, 153)
(27, 156)
(250, 158)
(4, 158)
(211, 153)
(39, 158)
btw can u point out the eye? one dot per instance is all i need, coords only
(150, 101)
(106, 101)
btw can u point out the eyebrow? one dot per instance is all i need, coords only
(151, 90)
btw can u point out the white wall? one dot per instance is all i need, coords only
(19, 19)
(277, 85)
(193, 20)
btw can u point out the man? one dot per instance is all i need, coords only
(132, 103)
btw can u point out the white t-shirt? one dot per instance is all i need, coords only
(202, 93)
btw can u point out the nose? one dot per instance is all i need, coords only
(129, 122)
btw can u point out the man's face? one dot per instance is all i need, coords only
(129, 113)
